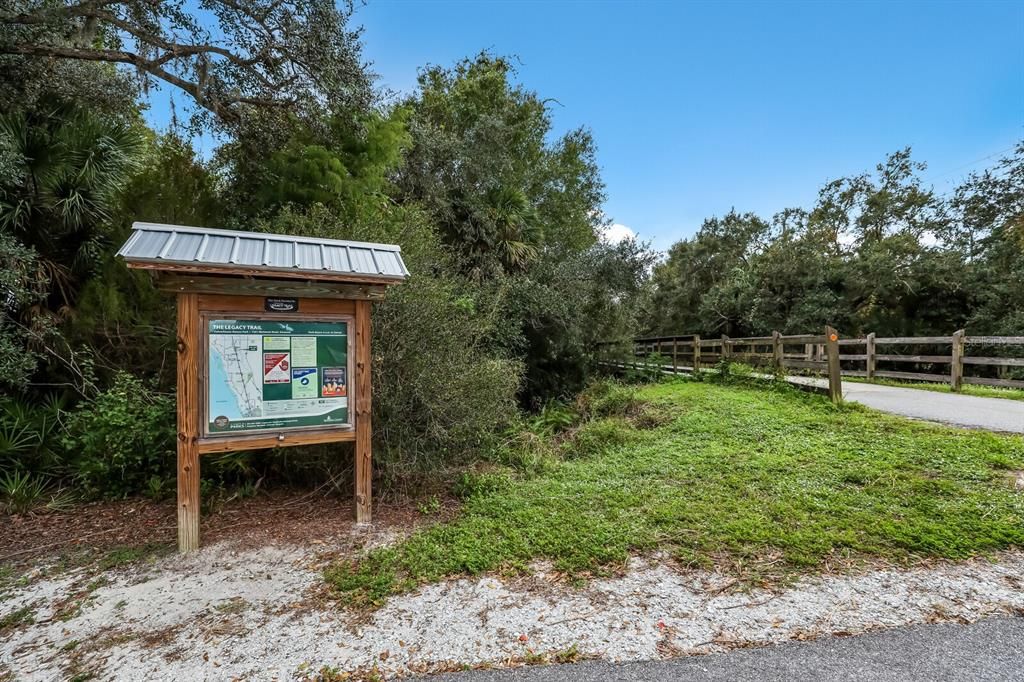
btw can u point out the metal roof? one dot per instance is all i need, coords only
(228, 251)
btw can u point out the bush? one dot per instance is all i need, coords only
(607, 398)
(442, 393)
(123, 438)
(21, 491)
(597, 438)
(30, 440)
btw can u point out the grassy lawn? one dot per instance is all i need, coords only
(759, 481)
(966, 389)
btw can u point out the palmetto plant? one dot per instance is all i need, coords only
(516, 228)
(69, 166)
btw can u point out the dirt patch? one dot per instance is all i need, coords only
(92, 531)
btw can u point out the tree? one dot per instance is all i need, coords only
(347, 168)
(291, 55)
(70, 166)
(877, 253)
(481, 164)
(703, 284)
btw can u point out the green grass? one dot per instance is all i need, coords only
(759, 481)
(966, 389)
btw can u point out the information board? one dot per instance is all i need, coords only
(273, 375)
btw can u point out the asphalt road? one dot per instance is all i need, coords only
(991, 649)
(992, 414)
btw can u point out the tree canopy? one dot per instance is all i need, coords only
(879, 252)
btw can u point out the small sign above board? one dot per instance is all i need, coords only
(280, 304)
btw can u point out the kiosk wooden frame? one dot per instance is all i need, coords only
(266, 277)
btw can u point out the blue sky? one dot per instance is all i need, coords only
(701, 107)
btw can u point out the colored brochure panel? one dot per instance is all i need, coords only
(273, 375)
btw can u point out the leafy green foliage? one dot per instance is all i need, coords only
(440, 392)
(763, 483)
(294, 57)
(877, 253)
(122, 438)
(20, 491)
(30, 436)
(481, 165)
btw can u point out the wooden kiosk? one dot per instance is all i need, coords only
(273, 344)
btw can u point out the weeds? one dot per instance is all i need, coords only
(16, 618)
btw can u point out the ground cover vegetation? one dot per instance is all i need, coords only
(498, 216)
(726, 473)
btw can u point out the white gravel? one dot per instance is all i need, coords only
(223, 613)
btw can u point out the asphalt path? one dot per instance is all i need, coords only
(956, 409)
(991, 649)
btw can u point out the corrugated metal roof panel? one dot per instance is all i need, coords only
(184, 247)
(362, 261)
(253, 253)
(309, 256)
(249, 252)
(336, 259)
(218, 249)
(280, 254)
(390, 264)
(149, 244)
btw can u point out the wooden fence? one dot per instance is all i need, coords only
(830, 355)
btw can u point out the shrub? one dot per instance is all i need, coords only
(442, 394)
(597, 438)
(121, 439)
(30, 438)
(607, 398)
(21, 491)
(526, 451)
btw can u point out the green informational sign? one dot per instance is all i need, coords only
(272, 375)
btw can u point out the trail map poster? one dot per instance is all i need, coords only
(273, 375)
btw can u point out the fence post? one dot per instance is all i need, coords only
(869, 350)
(675, 355)
(956, 367)
(777, 351)
(835, 379)
(696, 353)
(725, 348)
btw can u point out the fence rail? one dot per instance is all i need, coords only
(826, 353)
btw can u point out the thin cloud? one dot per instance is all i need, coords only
(617, 232)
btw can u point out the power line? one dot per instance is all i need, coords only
(972, 163)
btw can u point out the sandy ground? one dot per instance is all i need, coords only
(259, 614)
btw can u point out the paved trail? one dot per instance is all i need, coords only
(991, 649)
(992, 414)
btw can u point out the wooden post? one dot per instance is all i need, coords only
(869, 350)
(835, 380)
(364, 432)
(675, 355)
(808, 352)
(725, 348)
(188, 426)
(696, 353)
(956, 367)
(777, 351)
